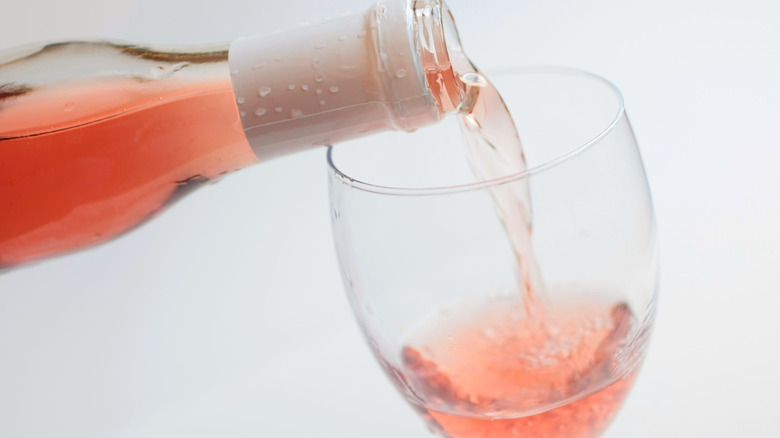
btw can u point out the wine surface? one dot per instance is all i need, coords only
(495, 372)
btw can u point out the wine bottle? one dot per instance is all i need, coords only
(96, 137)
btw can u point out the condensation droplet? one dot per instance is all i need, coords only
(342, 38)
(382, 10)
(316, 62)
(334, 89)
(318, 91)
(278, 109)
(295, 112)
(259, 66)
(264, 91)
(291, 87)
(279, 58)
(400, 73)
(319, 77)
(243, 113)
(305, 87)
(322, 102)
(260, 111)
(234, 72)
(361, 34)
(240, 100)
(320, 46)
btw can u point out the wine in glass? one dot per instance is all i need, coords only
(506, 290)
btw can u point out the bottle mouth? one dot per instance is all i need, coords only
(440, 52)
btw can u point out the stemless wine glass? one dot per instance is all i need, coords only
(436, 285)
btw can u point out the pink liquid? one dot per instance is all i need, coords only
(112, 154)
(495, 373)
(494, 150)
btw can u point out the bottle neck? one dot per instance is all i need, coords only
(386, 69)
(441, 56)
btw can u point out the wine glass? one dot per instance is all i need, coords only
(479, 342)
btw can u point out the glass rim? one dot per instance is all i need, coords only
(458, 188)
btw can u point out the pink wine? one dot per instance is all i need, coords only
(109, 159)
(496, 373)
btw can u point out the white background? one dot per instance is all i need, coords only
(226, 317)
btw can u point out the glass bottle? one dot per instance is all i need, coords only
(97, 137)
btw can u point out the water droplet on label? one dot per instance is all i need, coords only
(260, 111)
(400, 73)
(264, 91)
(240, 100)
(342, 38)
(361, 34)
(234, 72)
(319, 77)
(382, 10)
(318, 91)
(259, 66)
(305, 87)
(291, 87)
(295, 112)
(334, 89)
(278, 109)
